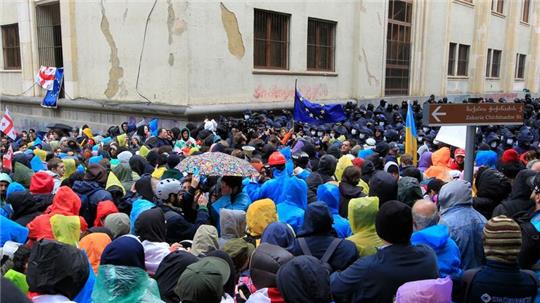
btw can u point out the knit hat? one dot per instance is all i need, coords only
(509, 164)
(502, 240)
(394, 222)
(509, 155)
(41, 183)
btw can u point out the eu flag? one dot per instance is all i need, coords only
(51, 98)
(313, 113)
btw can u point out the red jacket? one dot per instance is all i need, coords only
(65, 202)
(104, 208)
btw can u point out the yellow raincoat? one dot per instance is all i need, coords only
(259, 215)
(112, 180)
(70, 167)
(362, 213)
(343, 163)
(122, 140)
(158, 172)
(66, 229)
(41, 154)
(143, 151)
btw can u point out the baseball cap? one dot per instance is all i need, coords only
(459, 152)
(203, 281)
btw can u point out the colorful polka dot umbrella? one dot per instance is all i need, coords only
(217, 164)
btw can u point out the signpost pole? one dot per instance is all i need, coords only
(469, 153)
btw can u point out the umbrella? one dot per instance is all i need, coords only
(217, 164)
(60, 126)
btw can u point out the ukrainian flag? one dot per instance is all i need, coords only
(410, 135)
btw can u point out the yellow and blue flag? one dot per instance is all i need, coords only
(410, 135)
(313, 113)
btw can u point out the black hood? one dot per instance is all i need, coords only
(327, 165)
(317, 220)
(168, 272)
(520, 188)
(22, 203)
(139, 165)
(384, 186)
(492, 184)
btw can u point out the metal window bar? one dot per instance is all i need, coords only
(321, 45)
(398, 47)
(49, 35)
(11, 46)
(463, 60)
(495, 65)
(271, 38)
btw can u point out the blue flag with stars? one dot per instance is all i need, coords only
(314, 113)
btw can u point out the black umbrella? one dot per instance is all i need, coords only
(60, 126)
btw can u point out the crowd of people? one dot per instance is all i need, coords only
(335, 213)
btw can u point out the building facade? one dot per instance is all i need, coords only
(181, 59)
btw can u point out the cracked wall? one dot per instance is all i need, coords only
(234, 37)
(116, 72)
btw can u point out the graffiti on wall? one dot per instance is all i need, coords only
(279, 93)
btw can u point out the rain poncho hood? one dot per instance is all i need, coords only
(409, 190)
(259, 214)
(329, 194)
(486, 158)
(291, 211)
(140, 165)
(384, 186)
(66, 229)
(118, 224)
(342, 164)
(70, 167)
(362, 213)
(57, 268)
(439, 169)
(12, 231)
(125, 175)
(124, 251)
(112, 180)
(279, 234)
(22, 174)
(317, 220)
(150, 225)
(138, 207)
(66, 202)
(232, 223)
(457, 192)
(24, 207)
(170, 269)
(304, 279)
(94, 244)
(425, 161)
(104, 208)
(205, 240)
(124, 284)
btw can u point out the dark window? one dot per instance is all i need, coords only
(497, 6)
(488, 62)
(321, 45)
(496, 63)
(11, 46)
(452, 59)
(398, 47)
(520, 66)
(525, 13)
(463, 60)
(271, 49)
(49, 34)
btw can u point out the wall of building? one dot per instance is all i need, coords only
(199, 53)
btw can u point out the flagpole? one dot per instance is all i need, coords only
(294, 100)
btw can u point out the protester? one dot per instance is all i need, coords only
(363, 212)
(304, 279)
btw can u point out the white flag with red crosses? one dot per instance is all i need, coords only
(7, 126)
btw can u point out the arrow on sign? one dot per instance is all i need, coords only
(436, 114)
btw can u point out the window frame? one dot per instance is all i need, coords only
(268, 38)
(452, 63)
(497, 6)
(318, 46)
(498, 65)
(7, 29)
(526, 11)
(468, 47)
(488, 62)
(519, 68)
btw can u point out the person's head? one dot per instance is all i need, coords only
(394, 222)
(185, 134)
(502, 240)
(352, 175)
(265, 263)
(118, 224)
(231, 185)
(240, 252)
(392, 168)
(5, 180)
(534, 183)
(433, 188)
(167, 191)
(304, 279)
(203, 281)
(459, 156)
(346, 147)
(406, 160)
(56, 166)
(162, 133)
(424, 214)
(124, 251)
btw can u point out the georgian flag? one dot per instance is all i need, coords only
(46, 76)
(7, 126)
(7, 158)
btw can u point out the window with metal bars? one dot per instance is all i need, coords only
(520, 66)
(49, 34)
(11, 46)
(452, 59)
(493, 66)
(398, 47)
(497, 6)
(321, 45)
(525, 12)
(271, 40)
(463, 60)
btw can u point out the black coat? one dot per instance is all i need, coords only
(325, 172)
(492, 187)
(346, 193)
(24, 207)
(520, 197)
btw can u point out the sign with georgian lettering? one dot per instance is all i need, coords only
(473, 114)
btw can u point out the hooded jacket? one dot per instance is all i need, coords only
(279, 234)
(151, 229)
(104, 208)
(140, 166)
(448, 256)
(520, 196)
(67, 203)
(205, 240)
(125, 175)
(409, 190)
(232, 225)
(56, 268)
(362, 213)
(439, 169)
(491, 188)
(170, 269)
(425, 161)
(465, 224)
(324, 173)
(118, 224)
(66, 229)
(90, 193)
(486, 158)
(143, 186)
(124, 284)
(318, 233)
(304, 280)
(329, 194)
(274, 188)
(24, 207)
(94, 244)
(12, 231)
(258, 216)
(291, 211)
(384, 186)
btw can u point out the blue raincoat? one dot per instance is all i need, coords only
(85, 295)
(446, 249)
(138, 207)
(329, 194)
(274, 189)
(240, 201)
(11, 231)
(291, 211)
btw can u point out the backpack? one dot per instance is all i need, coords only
(327, 254)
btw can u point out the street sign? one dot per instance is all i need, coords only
(473, 114)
